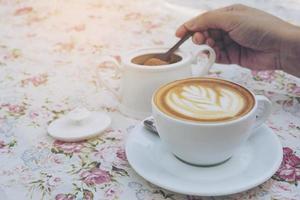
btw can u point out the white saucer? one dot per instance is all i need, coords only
(254, 163)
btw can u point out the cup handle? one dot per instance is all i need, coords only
(210, 62)
(263, 110)
(118, 70)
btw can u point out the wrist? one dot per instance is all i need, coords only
(289, 60)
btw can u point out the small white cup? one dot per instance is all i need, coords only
(203, 143)
(138, 82)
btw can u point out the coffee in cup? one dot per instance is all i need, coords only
(203, 121)
(151, 60)
(204, 100)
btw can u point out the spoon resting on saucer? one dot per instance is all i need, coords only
(150, 125)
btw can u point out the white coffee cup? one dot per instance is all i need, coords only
(138, 82)
(203, 143)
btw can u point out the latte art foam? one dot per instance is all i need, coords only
(204, 99)
(198, 101)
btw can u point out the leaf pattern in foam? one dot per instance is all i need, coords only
(196, 99)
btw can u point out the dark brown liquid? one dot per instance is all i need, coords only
(149, 60)
(161, 95)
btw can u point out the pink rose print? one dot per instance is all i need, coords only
(284, 191)
(117, 57)
(106, 154)
(133, 16)
(79, 27)
(65, 46)
(88, 195)
(33, 115)
(2, 144)
(289, 169)
(65, 197)
(14, 108)
(149, 26)
(112, 192)
(121, 154)
(111, 156)
(53, 181)
(23, 11)
(267, 76)
(293, 88)
(95, 176)
(36, 80)
(291, 105)
(68, 147)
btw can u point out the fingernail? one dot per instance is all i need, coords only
(177, 33)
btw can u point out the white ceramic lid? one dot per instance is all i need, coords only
(79, 124)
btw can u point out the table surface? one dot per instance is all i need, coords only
(50, 54)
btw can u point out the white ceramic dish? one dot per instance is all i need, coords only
(254, 163)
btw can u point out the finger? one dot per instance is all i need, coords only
(223, 53)
(198, 38)
(210, 42)
(227, 40)
(212, 20)
(181, 31)
(223, 58)
(234, 7)
(219, 44)
(206, 34)
(230, 53)
(217, 51)
(215, 34)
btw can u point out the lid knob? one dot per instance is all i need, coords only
(79, 114)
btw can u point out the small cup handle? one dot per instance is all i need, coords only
(263, 110)
(118, 70)
(211, 60)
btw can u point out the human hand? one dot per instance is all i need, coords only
(248, 37)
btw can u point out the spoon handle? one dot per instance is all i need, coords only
(182, 40)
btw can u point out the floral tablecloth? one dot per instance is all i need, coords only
(50, 55)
